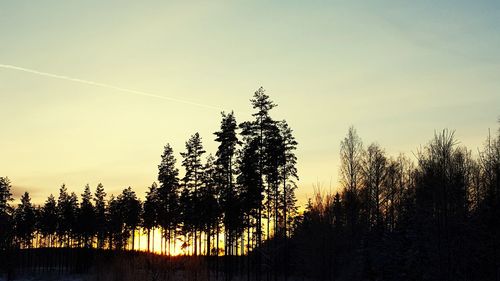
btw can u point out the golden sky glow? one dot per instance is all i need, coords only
(396, 72)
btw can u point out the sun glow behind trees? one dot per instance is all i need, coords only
(229, 203)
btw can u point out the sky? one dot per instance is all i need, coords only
(91, 91)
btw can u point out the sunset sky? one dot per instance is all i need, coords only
(91, 91)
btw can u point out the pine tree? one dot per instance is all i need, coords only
(5, 195)
(5, 214)
(117, 235)
(169, 216)
(131, 209)
(225, 171)
(48, 220)
(186, 216)
(24, 217)
(289, 175)
(87, 217)
(192, 181)
(273, 159)
(208, 201)
(100, 215)
(151, 211)
(67, 205)
(250, 195)
(257, 130)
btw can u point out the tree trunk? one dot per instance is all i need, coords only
(149, 238)
(133, 238)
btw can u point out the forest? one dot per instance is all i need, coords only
(432, 216)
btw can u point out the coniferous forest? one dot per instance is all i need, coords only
(433, 214)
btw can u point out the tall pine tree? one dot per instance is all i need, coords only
(87, 218)
(169, 213)
(100, 215)
(24, 217)
(192, 181)
(258, 130)
(151, 211)
(225, 164)
(6, 234)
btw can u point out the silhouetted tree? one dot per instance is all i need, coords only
(24, 217)
(117, 235)
(208, 201)
(442, 207)
(351, 171)
(192, 182)
(374, 173)
(151, 211)
(169, 213)
(87, 218)
(225, 171)
(6, 226)
(249, 199)
(273, 152)
(100, 215)
(288, 172)
(257, 130)
(67, 205)
(288, 175)
(48, 220)
(131, 209)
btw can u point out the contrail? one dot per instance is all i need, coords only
(97, 84)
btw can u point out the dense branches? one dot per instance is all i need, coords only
(436, 219)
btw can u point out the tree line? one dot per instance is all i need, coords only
(432, 216)
(435, 218)
(227, 203)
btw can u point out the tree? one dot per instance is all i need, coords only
(289, 174)
(131, 209)
(256, 130)
(489, 161)
(441, 204)
(67, 205)
(100, 215)
(49, 219)
(224, 171)
(151, 210)
(169, 215)
(374, 173)
(248, 200)
(87, 218)
(186, 216)
(5, 213)
(5, 195)
(273, 151)
(117, 236)
(208, 201)
(24, 217)
(192, 182)
(351, 153)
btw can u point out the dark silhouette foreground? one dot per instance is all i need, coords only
(433, 218)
